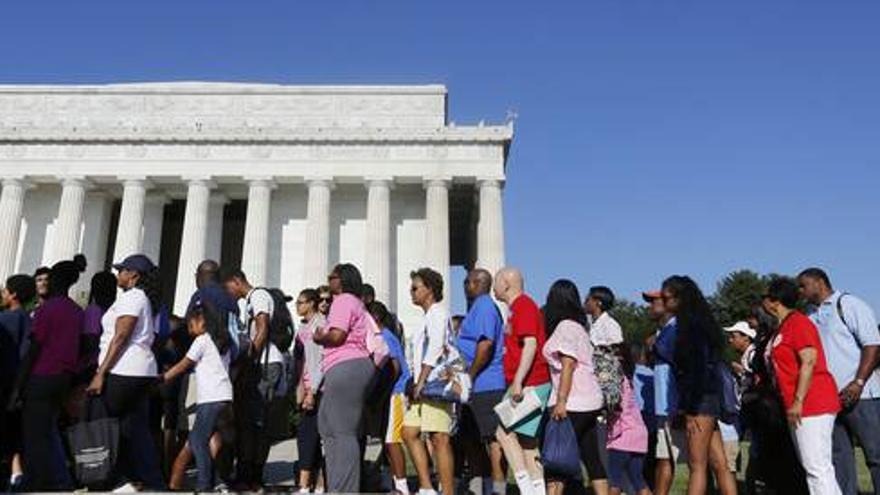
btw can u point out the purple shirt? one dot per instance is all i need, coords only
(58, 324)
(92, 330)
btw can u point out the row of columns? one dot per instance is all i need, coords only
(377, 269)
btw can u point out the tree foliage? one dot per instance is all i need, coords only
(634, 320)
(735, 295)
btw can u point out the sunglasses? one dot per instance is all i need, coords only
(326, 299)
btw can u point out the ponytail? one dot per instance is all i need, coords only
(149, 283)
(214, 326)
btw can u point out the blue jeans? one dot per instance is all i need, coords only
(200, 442)
(863, 424)
(625, 470)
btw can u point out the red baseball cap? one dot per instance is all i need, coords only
(650, 295)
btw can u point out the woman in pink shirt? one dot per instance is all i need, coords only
(627, 438)
(348, 372)
(576, 393)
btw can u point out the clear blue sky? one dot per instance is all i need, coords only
(653, 137)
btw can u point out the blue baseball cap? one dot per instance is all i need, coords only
(137, 263)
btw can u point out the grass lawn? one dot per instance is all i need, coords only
(680, 483)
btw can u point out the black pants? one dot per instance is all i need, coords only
(586, 429)
(308, 440)
(127, 398)
(252, 393)
(45, 465)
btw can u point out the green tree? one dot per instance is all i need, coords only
(634, 320)
(735, 295)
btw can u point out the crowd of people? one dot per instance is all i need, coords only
(473, 400)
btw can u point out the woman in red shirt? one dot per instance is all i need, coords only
(808, 391)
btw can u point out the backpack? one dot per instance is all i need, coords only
(609, 374)
(840, 309)
(281, 323)
(730, 401)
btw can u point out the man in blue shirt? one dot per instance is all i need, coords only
(851, 342)
(671, 441)
(481, 344)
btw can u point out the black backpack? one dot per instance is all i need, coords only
(281, 323)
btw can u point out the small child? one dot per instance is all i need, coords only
(627, 439)
(209, 354)
(397, 402)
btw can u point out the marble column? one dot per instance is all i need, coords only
(437, 229)
(68, 225)
(377, 269)
(129, 233)
(317, 242)
(11, 205)
(490, 229)
(256, 230)
(192, 244)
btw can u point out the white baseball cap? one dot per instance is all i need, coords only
(743, 328)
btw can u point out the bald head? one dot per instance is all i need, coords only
(508, 284)
(479, 282)
(207, 272)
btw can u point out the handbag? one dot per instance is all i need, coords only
(456, 388)
(560, 454)
(448, 380)
(94, 445)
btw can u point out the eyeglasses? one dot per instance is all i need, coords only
(326, 299)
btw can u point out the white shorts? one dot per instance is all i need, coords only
(671, 444)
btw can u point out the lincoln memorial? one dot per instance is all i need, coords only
(284, 181)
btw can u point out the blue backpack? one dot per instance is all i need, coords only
(730, 403)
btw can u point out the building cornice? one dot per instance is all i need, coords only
(13, 134)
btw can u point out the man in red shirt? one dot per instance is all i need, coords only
(807, 388)
(525, 372)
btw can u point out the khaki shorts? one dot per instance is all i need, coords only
(731, 450)
(671, 444)
(429, 416)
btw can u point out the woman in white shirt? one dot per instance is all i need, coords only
(127, 368)
(209, 354)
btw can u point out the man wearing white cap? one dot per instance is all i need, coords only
(742, 337)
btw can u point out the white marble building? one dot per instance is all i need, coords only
(284, 180)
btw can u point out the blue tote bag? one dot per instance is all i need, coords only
(560, 454)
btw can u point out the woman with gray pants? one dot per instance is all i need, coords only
(348, 371)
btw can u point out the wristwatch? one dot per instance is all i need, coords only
(860, 382)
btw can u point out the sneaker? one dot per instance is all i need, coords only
(221, 488)
(15, 482)
(126, 488)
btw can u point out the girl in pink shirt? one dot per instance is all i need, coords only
(576, 394)
(627, 439)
